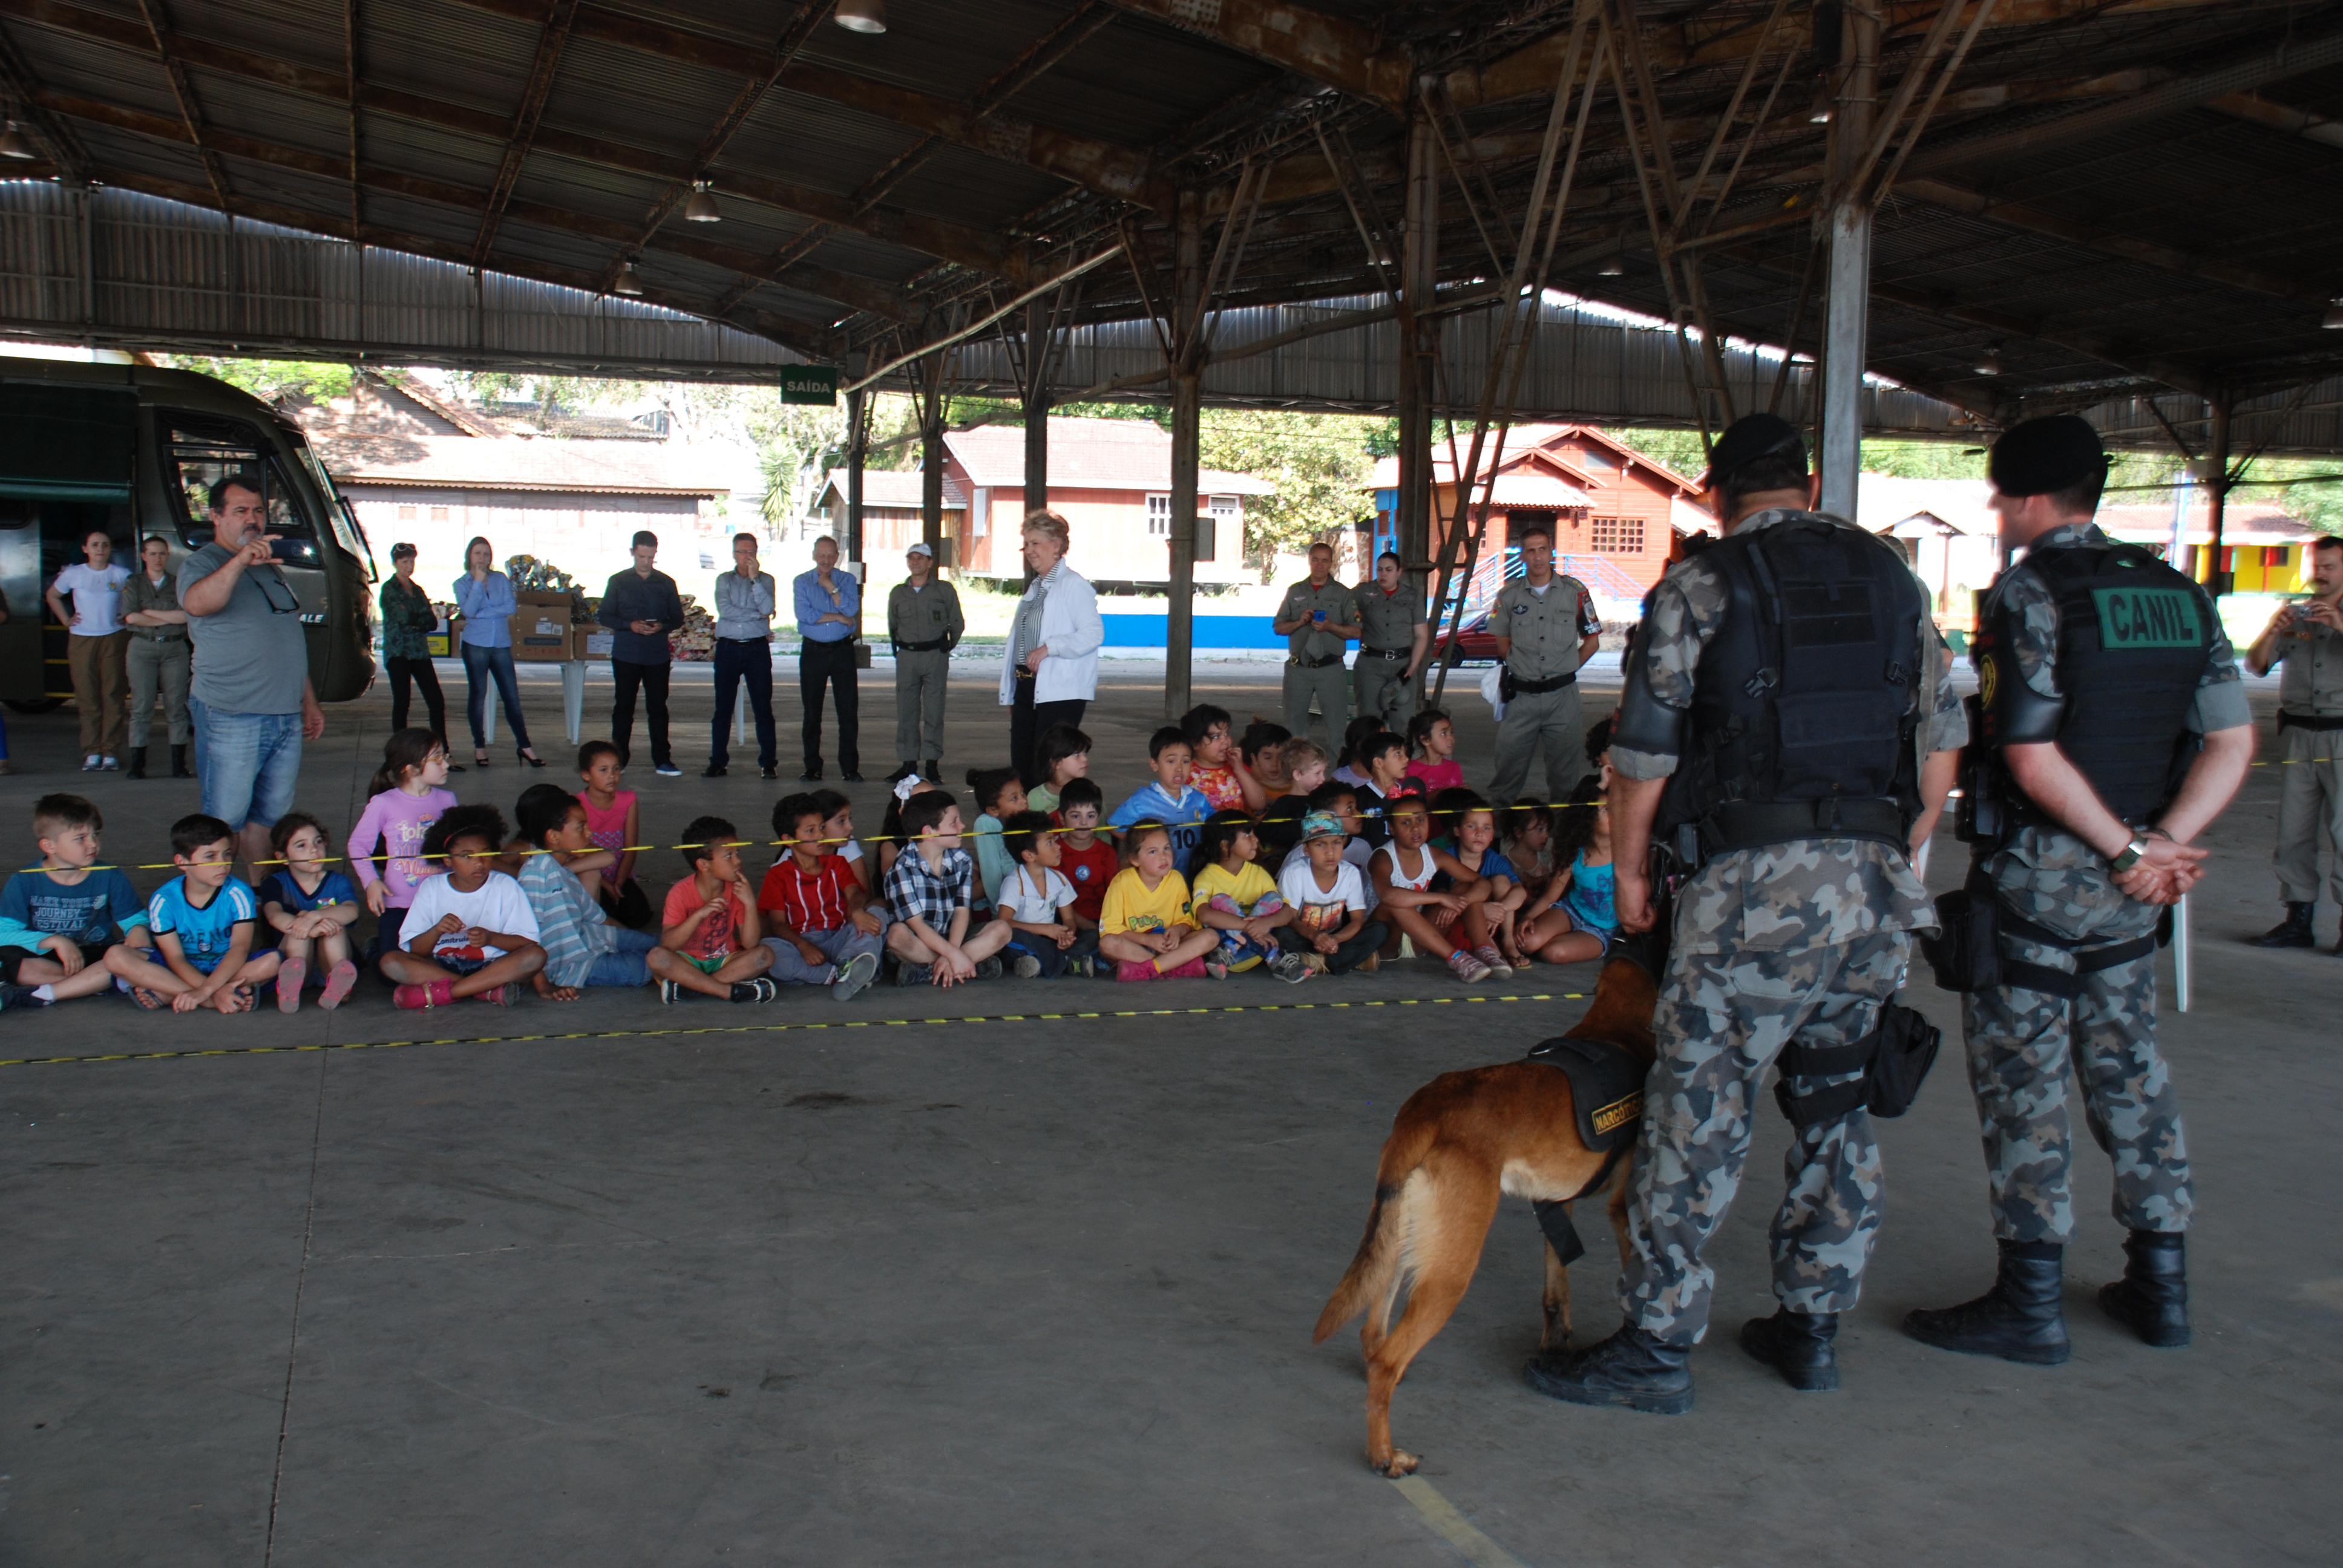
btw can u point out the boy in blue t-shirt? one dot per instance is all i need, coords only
(203, 923)
(1169, 800)
(59, 918)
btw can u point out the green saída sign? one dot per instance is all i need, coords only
(809, 384)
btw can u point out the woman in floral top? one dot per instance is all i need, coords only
(408, 618)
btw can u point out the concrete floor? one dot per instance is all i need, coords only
(1041, 1290)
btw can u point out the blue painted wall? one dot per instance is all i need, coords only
(1127, 630)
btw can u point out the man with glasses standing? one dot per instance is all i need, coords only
(251, 701)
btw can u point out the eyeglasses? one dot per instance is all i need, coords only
(274, 589)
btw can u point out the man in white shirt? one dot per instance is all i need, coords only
(745, 600)
(98, 651)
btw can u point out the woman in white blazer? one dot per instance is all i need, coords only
(1049, 671)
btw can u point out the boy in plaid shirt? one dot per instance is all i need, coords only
(928, 893)
(825, 931)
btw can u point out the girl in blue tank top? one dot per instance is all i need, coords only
(1574, 919)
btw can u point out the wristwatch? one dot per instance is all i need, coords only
(2132, 851)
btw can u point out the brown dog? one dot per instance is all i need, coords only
(1460, 1142)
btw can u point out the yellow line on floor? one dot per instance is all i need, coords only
(1454, 1527)
(790, 1028)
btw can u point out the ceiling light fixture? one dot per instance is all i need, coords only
(2333, 319)
(702, 207)
(1613, 265)
(15, 144)
(862, 16)
(1989, 362)
(629, 281)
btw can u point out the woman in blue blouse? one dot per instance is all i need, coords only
(484, 596)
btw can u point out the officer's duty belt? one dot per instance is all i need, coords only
(2286, 721)
(1382, 653)
(1540, 687)
(1753, 825)
(1315, 663)
(929, 647)
(2041, 978)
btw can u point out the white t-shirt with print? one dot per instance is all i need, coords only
(1323, 910)
(497, 904)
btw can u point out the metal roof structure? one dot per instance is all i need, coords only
(2093, 200)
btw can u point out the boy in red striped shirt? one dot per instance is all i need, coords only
(824, 928)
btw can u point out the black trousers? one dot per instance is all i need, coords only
(821, 665)
(1029, 721)
(652, 678)
(419, 671)
(740, 663)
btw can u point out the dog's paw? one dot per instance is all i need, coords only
(1401, 1462)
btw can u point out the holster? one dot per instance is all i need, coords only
(1965, 952)
(1893, 1058)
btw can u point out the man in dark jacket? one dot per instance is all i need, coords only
(641, 607)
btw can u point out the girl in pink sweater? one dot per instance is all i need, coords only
(405, 798)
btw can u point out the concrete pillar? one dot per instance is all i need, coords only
(1187, 430)
(1419, 274)
(931, 482)
(1846, 331)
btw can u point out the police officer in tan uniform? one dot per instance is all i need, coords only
(1545, 628)
(1316, 618)
(1393, 638)
(2305, 641)
(924, 623)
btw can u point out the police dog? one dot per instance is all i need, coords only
(1458, 1144)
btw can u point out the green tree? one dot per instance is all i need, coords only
(303, 381)
(1319, 463)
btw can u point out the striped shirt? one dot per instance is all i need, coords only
(570, 926)
(809, 900)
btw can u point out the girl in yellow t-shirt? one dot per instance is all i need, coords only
(1144, 924)
(1240, 900)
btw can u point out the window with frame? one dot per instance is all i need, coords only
(1159, 517)
(201, 449)
(1522, 522)
(407, 514)
(1616, 536)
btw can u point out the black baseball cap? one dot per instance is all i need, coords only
(2055, 452)
(1749, 438)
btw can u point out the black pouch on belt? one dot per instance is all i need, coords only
(1507, 690)
(1965, 952)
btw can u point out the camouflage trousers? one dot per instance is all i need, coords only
(1723, 1019)
(2028, 1051)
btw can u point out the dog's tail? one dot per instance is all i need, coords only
(1373, 1270)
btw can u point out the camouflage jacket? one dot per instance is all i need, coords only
(1810, 893)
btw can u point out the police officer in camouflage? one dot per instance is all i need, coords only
(1787, 732)
(1316, 617)
(1545, 626)
(1393, 639)
(2112, 729)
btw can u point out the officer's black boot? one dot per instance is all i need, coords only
(903, 772)
(2019, 1320)
(2152, 1297)
(1797, 1345)
(1630, 1368)
(2294, 932)
(137, 768)
(931, 770)
(179, 769)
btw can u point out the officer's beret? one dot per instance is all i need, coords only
(1748, 438)
(2036, 456)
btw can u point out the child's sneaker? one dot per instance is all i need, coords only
(670, 992)
(1371, 963)
(438, 993)
(854, 977)
(1127, 970)
(1028, 966)
(915, 974)
(338, 982)
(1290, 968)
(990, 968)
(1194, 969)
(290, 977)
(1467, 967)
(758, 989)
(1216, 964)
(503, 995)
(1492, 960)
(19, 996)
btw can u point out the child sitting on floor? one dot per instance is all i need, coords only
(710, 921)
(470, 932)
(1574, 921)
(1240, 900)
(1169, 802)
(1262, 747)
(583, 945)
(821, 926)
(1216, 768)
(1350, 768)
(1052, 937)
(1496, 895)
(1306, 767)
(1086, 860)
(1432, 743)
(614, 822)
(1063, 757)
(408, 795)
(1330, 927)
(1384, 758)
(60, 919)
(308, 908)
(1146, 925)
(998, 797)
(928, 895)
(1526, 836)
(838, 837)
(1341, 802)
(1401, 880)
(202, 921)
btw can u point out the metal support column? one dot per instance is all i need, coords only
(857, 444)
(1037, 404)
(1419, 274)
(1187, 432)
(932, 486)
(1846, 329)
(2217, 479)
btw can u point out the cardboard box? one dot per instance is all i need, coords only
(595, 641)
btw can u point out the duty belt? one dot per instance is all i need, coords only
(1315, 663)
(1382, 653)
(2286, 721)
(179, 634)
(1755, 825)
(929, 647)
(1540, 687)
(2088, 960)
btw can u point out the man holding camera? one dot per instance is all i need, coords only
(2113, 728)
(2306, 638)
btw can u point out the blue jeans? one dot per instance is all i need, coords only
(741, 663)
(625, 965)
(1053, 957)
(250, 763)
(497, 662)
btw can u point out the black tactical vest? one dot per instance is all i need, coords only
(1806, 701)
(2133, 636)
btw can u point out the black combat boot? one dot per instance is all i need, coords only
(2019, 1320)
(137, 769)
(179, 769)
(931, 769)
(903, 772)
(2152, 1297)
(2294, 932)
(1630, 1368)
(1797, 1345)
